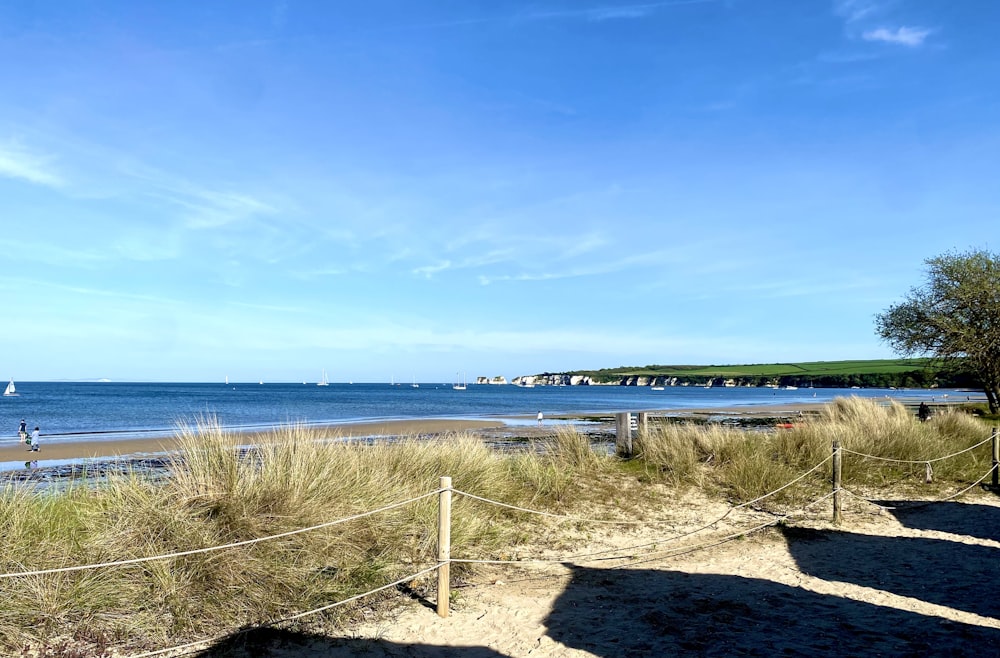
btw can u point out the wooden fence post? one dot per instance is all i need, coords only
(996, 457)
(623, 434)
(444, 547)
(836, 482)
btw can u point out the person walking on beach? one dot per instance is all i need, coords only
(34, 440)
(540, 418)
(22, 430)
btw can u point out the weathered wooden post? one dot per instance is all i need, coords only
(995, 439)
(623, 434)
(444, 546)
(643, 423)
(836, 481)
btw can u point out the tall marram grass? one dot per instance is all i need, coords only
(220, 493)
(747, 464)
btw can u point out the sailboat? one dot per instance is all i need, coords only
(10, 390)
(457, 386)
(415, 384)
(324, 381)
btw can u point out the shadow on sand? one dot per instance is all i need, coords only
(272, 643)
(948, 573)
(982, 521)
(637, 613)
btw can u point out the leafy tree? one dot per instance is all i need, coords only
(955, 315)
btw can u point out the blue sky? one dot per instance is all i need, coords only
(191, 190)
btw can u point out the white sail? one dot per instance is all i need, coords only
(324, 381)
(459, 386)
(10, 390)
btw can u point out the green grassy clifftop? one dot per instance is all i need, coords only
(880, 373)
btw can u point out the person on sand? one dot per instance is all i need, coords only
(22, 430)
(540, 417)
(34, 440)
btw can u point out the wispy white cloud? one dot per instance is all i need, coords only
(905, 36)
(660, 258)
(213, 209)
(75, 290)
(856, 10)
(20, 163)
(207, 208)
(613, 12)
(430, 270)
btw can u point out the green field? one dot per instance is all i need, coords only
(886, 373)
(805, 369)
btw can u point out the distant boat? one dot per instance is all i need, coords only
(10, 391)
(227, 379)
(415, 384)
(459, 386)
(261, 382)
(324, 381)
(656, 388)
(791, 388)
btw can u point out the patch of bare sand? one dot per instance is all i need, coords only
(913, 580)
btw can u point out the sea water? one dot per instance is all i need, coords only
(86, 410)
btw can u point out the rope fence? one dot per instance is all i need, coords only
(919, 461)
(209, 549)
(993, 470)
(629, 553)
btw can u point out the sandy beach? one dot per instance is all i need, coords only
(54, 449)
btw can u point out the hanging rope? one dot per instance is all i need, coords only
(917, 461)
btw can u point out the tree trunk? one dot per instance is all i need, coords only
(993, 398)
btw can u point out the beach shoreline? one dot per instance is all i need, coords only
(160, 444)
(103, 447)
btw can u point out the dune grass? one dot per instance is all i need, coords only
(219, 492)
(746, 464)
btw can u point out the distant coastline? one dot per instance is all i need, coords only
(920, 373)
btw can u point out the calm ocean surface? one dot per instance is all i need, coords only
(69, 410)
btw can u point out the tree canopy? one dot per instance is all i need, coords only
(954, 315)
